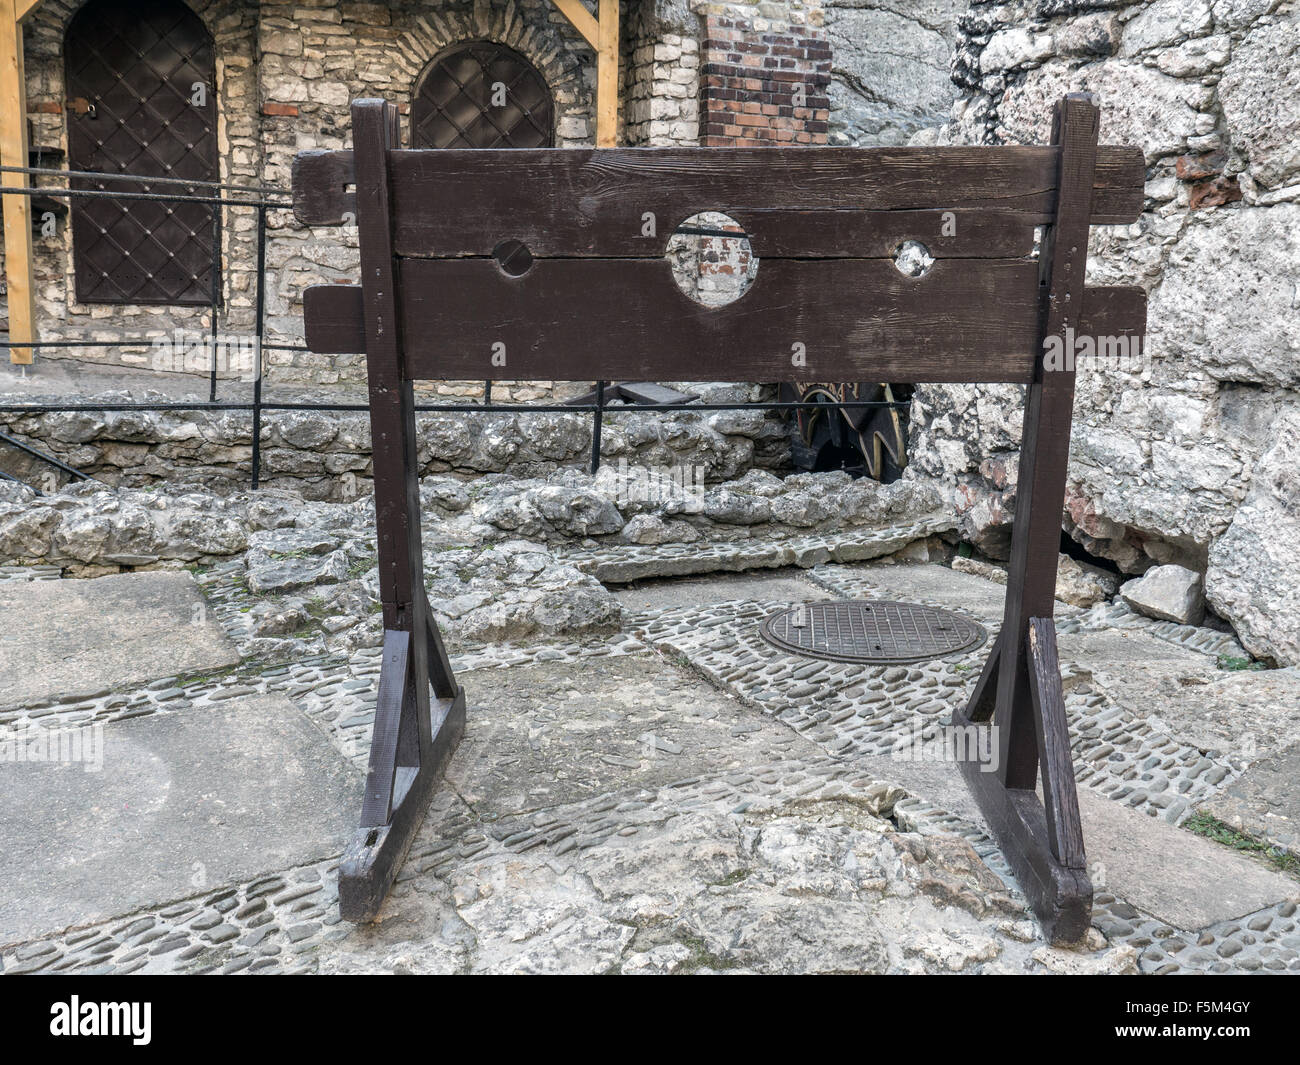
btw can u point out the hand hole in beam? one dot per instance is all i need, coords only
(913, 259)
(513, 257)
(711, 259)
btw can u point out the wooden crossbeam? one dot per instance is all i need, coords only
(588, 202)
(856, 320)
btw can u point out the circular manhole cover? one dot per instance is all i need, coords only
(872, 631)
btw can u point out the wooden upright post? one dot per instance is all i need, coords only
(607, 76)
(414, 737)
(1020, 686)
(19, 266)
(1045, 441)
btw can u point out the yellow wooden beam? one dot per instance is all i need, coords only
(607, 76)
(17, 207)
(23, 8)
(579, 18)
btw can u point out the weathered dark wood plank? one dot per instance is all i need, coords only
(1060, 896)
(566, 201)
(865, 234)
(979, 707)
(372, 859)
(333, 318)
(394, 673)
(335, 325)
(1045, 442)
(374, 125)
(846, 319)
(322, 183)
(591, 202)
(414, 735)
(1060, 800)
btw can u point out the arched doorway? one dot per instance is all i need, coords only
(481, 94)
(140, 78)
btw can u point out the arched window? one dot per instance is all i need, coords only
(480, 94)
(141, 86)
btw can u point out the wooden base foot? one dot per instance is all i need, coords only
(371, 861)
(1042, 840)
(1060, 896)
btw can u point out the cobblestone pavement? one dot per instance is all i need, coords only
(683, 797)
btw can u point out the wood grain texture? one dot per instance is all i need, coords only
(394, 684)
(1045, 441)
(855, 320)
(374, 125)
(607, 63)
(580, 19)
(540, 345)
(371, 861)
(863, 234)
(323, 182)
(334, 325)
(1060, 896)
(574, 201)
(1060, 800)
(979, 707)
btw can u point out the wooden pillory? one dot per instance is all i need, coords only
(447, 294)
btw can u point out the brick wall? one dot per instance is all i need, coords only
(763, 83)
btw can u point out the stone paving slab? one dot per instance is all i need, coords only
(182, 802)
(620, 564)
(1265, 801)
(1247, 714)
(546, 733)
(1177, 877)
(790, 585)
(919, 583)
(70, 638)
(1127, 653)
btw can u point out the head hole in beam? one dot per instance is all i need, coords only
(711, 259)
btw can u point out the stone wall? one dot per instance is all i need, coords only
(661, 74)
(315, 60)
(764, 75)
(286, 73)
(325, 455)
(1192, 459)
(890, 79)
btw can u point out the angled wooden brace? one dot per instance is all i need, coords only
(414, 735)
(1020, 686)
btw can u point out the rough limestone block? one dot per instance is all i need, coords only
(1168, 593)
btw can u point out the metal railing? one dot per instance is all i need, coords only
(263, 199)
